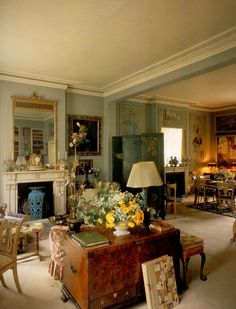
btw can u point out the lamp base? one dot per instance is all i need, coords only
(147, 219)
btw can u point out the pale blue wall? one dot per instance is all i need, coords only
(83, 105)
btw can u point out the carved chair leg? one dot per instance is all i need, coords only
(203, 260)
(16, 279)
(185, 262)
(234, 232)
(2, 280)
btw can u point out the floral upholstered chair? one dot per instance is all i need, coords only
(56, 239)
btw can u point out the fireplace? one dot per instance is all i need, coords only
(16, 189)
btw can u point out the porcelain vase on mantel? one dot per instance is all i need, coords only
(121, 230)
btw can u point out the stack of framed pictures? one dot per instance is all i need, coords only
(160, 284)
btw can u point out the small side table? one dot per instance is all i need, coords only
(31, 229)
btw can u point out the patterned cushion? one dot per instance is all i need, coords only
(189, 241)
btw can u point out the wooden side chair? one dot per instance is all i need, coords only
(171, 198)
(226, 196)
(9, 237)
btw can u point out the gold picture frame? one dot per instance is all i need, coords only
(92, 147)
(84, 166)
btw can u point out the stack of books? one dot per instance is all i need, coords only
(90, 238)
(161, 225)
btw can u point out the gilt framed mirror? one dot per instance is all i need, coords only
(34, 121)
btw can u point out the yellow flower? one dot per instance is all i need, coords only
(138, 217)
(122, 224)
(100, 221)
(131, 224)
(110, 220)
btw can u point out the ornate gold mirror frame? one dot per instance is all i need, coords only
(34, 127)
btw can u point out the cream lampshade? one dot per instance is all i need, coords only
(144, 174)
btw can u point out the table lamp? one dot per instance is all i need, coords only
(144, 174)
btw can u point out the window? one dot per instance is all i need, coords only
(173, 143)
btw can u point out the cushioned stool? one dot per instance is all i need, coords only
(191, 245)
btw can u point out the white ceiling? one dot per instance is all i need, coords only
(97, 44)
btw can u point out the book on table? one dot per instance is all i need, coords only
(161, 225)
(90, 238)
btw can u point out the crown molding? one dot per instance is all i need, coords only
(32, 79)
(175, 102)
(89, 91)
(213, 46)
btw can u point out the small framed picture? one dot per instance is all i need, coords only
(91, 145)
(84, 166)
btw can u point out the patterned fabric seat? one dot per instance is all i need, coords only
(191, 245)
(56, 239)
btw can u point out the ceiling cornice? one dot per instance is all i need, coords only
(191, 105)
(32, 80)
(201, 51)
(89, 91)
(213, 46)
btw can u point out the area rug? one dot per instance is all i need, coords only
(210, 207)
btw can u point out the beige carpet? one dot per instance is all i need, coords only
(40, 291)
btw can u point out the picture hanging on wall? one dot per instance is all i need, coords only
(91, 145)
(225, 124)
(226, 149)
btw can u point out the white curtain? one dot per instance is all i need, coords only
(172, 143)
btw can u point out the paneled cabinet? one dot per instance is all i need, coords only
(104, 276)
(130, 149)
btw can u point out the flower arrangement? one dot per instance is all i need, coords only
(112, 207)
(78, 138)
(73, 191)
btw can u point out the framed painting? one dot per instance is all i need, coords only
(225, 124)
(92, 125)
(84, 166)
(226, 149)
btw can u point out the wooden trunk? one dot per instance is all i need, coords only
(103, 276)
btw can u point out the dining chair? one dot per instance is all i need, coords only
(170, 196)
(226, 196)
(9, 237)
(206, 191)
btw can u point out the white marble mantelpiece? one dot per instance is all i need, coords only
(179, 169)
(12, 179)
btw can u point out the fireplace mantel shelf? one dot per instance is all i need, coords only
(12, 179)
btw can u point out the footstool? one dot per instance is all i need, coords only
(191, 245)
